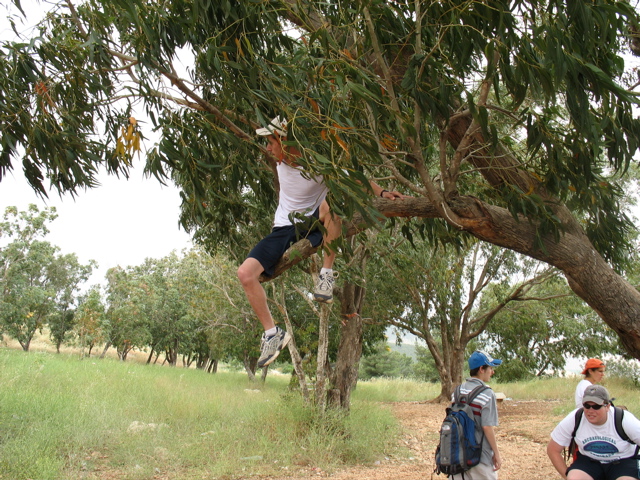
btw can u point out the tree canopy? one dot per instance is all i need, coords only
(510, 121)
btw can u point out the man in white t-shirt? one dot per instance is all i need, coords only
(602, 453)
(301, 205)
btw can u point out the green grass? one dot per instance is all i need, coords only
(395, 390)
(62, 418)
(563, 389)
(65, 418)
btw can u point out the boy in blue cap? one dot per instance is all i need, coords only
(485, 409)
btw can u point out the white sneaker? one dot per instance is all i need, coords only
(324, 287)
(270, 347)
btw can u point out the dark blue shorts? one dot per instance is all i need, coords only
(271, 248)
(627, 467)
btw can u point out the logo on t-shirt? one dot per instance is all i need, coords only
(602, 447)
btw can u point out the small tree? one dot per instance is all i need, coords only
(126, 326)
(386, 363)
(69, 275)
(556, 328)
(89, 319)
(425, 367)
(37, 284)
(439, 300)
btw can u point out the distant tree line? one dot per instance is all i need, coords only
(167, 307)
(184, 309)
(189, 308)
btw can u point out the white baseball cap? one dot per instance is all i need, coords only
(278, 125)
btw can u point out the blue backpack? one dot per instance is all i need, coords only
(458, 449)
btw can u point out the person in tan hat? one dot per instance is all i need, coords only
(593, 373)
(605, 451)
(302, 208)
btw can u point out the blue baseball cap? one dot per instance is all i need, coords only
(478, 359)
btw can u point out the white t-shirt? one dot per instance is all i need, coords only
(299, 193)
(582, 386)
(600, 442)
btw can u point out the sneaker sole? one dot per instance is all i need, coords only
(287, 337)
(322, 298)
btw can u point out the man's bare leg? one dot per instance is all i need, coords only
(274, 338)
(249, 273)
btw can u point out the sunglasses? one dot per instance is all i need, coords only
(595, 407)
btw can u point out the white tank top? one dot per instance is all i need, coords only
(297, 193)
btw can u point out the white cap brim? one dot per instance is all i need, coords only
(265, 132)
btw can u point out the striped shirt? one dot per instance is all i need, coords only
(485, 410)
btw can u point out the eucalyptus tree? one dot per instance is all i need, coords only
(89, 319)
(71, 276)
(217, 305)
(386, 363)
(38, 284)
(560, 327)
(126, 325)
(156, 288)
(442, 300)
(413, 89)
(209, 301)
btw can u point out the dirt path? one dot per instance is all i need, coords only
(522, 436)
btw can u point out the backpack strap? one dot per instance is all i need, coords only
(618, 414)
(456, 394)
(471, 396)
(578, 418)
(570, 452)
(468, 398)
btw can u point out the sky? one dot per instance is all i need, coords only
(121, 222)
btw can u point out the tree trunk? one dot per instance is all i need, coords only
(449, 363)
(296, 359)
(104, 350)
(213, 366)
(150, 356)
(172, 353)
(323, 350)
(250, 365)
(345, 374)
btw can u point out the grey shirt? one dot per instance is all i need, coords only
(485, 409)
